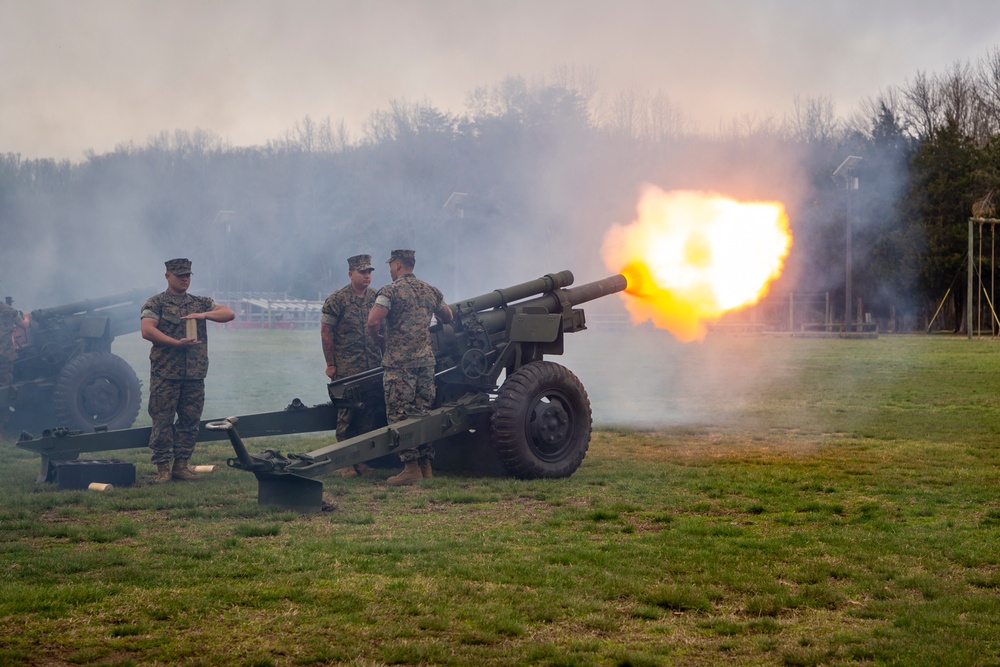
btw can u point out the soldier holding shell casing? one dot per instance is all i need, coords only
(178, 364)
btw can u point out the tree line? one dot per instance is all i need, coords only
(525, 180)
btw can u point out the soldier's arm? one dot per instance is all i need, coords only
(326, 335)
(329, 320)
(219, 313)
(376, 317)
(444, 314)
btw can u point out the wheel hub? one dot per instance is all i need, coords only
(550, 426)
(100, 398)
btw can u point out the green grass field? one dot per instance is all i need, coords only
(781, 502)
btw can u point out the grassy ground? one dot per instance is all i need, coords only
(802, 502)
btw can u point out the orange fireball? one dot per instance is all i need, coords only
(691, 257)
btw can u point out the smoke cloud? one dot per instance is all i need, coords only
(87, 77)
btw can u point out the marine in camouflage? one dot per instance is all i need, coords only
(409, 358)
(346, 313)
(178, 363)
(184, 398)
(10, 320)
(408, 339)
(409, 392)
(176, 376)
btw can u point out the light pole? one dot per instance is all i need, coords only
(456, 208)
(223, 279)
(846, 171)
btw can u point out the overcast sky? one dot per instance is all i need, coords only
(89, 74)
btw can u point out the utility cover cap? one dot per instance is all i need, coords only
(360, 263)
(179, 267)
(405, 256)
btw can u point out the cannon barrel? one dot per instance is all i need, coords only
(91, 305)
(552, 302)
(502, 297)
(584, 293)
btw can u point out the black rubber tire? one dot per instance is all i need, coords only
(95, 389)
(541, 421)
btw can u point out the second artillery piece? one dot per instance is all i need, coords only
(536, 422)
(65, 372)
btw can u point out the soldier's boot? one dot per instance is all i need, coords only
(425, 468)
(411, 473)
(182, 472)
(356, 470)
(162, 473)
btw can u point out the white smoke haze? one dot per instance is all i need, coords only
(635, 376)
(82, 78)
(644, 378)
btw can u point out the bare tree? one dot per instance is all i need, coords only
(958, 96)
(303, 135)
(399, 120)
(871, 108)
(625, 110)
(813, 121)
(922, 105)
(664, 120)
(507, 98)
(988, 89)
(330, 140)
(638, 114)
(308, 136)
(580, 80)
(751, 126)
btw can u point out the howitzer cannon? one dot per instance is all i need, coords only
(65, 372)
(537, 421)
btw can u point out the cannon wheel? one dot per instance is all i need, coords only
(541, 421)
(96, 388)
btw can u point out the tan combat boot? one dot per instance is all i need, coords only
(425, 468)
(162, 473)
(356, 470)
(182, 472)
(411, 473)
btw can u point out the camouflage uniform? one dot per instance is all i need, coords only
(409, 359)
(176, 376)
(355, 351)
(9, 322)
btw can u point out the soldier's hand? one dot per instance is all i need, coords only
(331, 372)
(188, 342)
